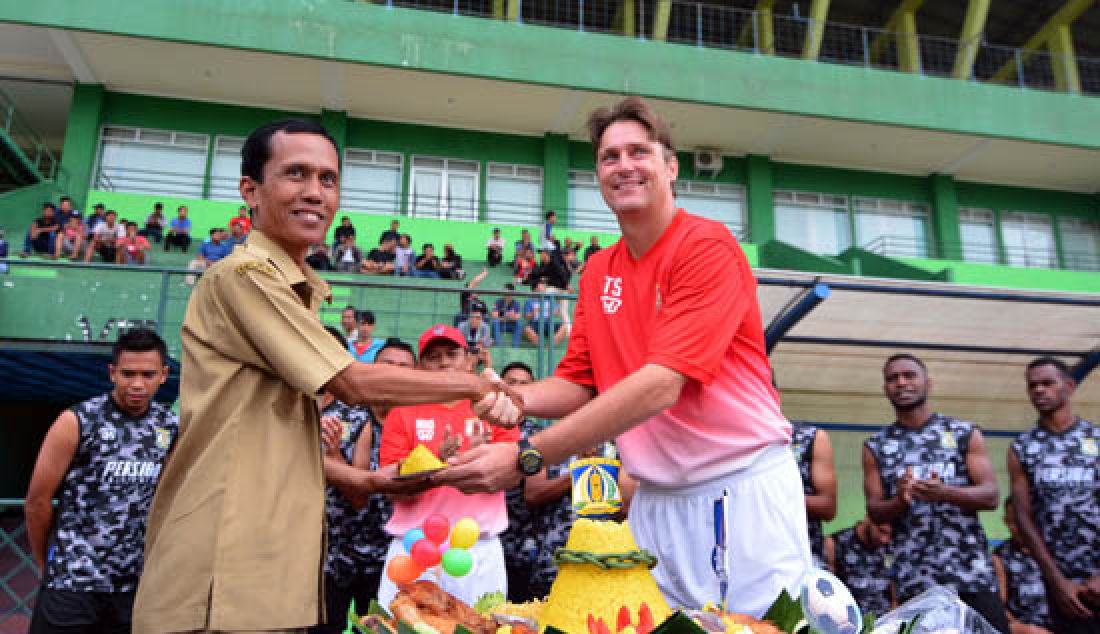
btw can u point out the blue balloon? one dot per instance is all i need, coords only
(414, 535)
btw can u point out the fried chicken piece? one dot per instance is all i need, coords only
(424, 601)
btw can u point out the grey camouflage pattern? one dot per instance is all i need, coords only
(1026, 593)
(864, 570)
(802, 445)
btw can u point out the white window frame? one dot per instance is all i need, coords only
(366, 157)
(504, 212)
(899, 209)
(219, 190)
(1027, 257)
(819, 201)
(132, 135)
(589, 219)
(448, 166)
(983, 216)
(722, 192)
(1078, 260)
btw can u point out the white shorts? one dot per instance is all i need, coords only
(487, 575)
(767, 544)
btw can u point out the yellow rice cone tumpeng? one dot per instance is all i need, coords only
(581, 589)
(419, 459)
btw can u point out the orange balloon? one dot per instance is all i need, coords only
(403, 569)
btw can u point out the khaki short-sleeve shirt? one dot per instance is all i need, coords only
(235, 532)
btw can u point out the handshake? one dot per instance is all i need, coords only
(498, 403)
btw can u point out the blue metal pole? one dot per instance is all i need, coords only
(782, 324)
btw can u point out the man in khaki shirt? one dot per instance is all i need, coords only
(234, 540)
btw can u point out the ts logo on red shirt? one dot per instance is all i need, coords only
(612, 297)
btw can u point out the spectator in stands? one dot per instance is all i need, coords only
(593, 247)
(242, 221)
(568, 244)
(42, 235)
(3, 251)
(404, 256)
(65, 210)
(318, 258)
(479, 338)
(238, 233)
(133, 248)
(813, 452)
(392, 233)
(349, 323)
(97, 216)
(212, 250)
(859, 556)
(542, 314)
(105, 239)
(101, 458)
(572, 264)
(507, 316)
(522, 245)
(923, 459)
(154, 224)
(179, 231)
(365, 346)
(452, 264)
(428, 265)
(495, 249)
(468, 301)
(1020, 581)
(524, 265)
(546, 234)
(443, 349)
(69, 239)
(349, 258)
(357, 541)
(380, 260)
(550, 271)
(1054, 473)
(345, 229)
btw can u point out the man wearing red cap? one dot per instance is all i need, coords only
(445, 428)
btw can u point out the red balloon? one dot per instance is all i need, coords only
(402, 569)
(437, 528)
(425, 553)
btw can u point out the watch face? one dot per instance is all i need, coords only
(530, 462)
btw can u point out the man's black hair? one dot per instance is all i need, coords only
(426, 246)
(905, 356)
(64, 198)
(338, 335)
(49, 205)
(365, 316)
(1057, 364)
(111, 211)
(517, 365)
(98, 206)
(158, 206)
(256, 151)
(213, 231)
(509, 286)
(551, 214)
(351, 308)
(397, 344)
(139, 340)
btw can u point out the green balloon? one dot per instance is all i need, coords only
(457, 562)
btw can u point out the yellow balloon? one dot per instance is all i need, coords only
(465, 533)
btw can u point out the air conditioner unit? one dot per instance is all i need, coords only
(708, 161)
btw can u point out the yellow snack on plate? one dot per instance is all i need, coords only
(420, 459)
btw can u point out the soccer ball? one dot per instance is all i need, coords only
(828, 606)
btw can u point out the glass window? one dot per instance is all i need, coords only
(371, 181)
(1080, 243)
(587, 208)
(817, 223)
(717, 201)
(225, 168)
(891, 227)
(444, 188)
(514, 194)
(146, 161)
(1028, 240)
(979, 236)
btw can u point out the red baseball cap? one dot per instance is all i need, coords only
(441, 331)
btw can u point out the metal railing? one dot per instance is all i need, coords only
(18, 574)
(710, 25)
(94, 302)
(984, 253)
(26, 139)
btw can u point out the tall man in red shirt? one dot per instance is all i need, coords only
(667, 356)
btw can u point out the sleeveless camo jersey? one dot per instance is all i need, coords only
(802, 444)
(357, 543)
(1027, 596)
(98, 544)
(1063, 475)
(935, 542)
(864, 570)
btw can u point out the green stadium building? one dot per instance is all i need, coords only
(905, 175)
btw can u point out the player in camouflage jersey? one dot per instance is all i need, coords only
(1021, 581)
(929, 476)
(102, 458)
(861, 558)
(813, 452)
(1055, 475)
(357, 542)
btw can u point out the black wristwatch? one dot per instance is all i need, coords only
(530, 459)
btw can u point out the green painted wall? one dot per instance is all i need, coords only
(361, 32)
(81, 138)
(19, 207)
(845, 182)
(1011, 277)
(945, 221)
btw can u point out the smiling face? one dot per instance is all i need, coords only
(297, 200)
(635, 172)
